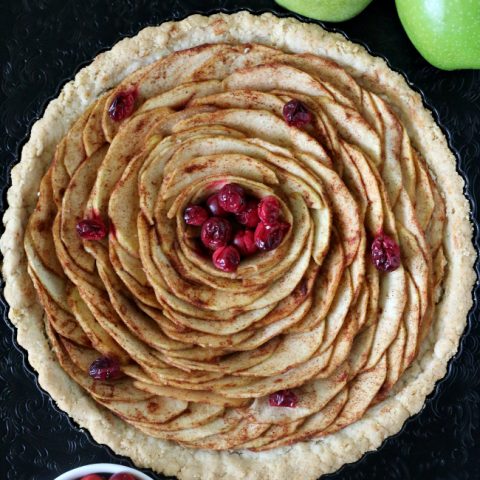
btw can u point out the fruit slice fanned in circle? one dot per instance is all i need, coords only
(73, 208)
(200, 349)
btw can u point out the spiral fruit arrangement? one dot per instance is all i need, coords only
(237, 248)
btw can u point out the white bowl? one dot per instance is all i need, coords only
(77, 473)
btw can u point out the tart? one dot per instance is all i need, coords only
(238, 245)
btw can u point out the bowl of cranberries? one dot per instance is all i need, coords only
(233, 225)
(103, 471)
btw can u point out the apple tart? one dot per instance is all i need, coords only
(249, 234)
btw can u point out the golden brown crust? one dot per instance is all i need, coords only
(304, 460)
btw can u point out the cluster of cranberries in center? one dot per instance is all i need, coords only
(235, 225)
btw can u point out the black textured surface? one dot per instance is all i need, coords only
(42, 44)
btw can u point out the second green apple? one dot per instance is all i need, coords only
(445, 32)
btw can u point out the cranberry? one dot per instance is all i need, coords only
(216, 233)
(296, 114)
(283, 398)
(385, 253)
(93, 476)
(244, 240)
(249, 217)
(122, 476)
(214, 206)
(105, 368)
(232, 198)
(269, 210)
(226, 258)
(92, 228)
(269, 237)
(123, 105)
(195, 215)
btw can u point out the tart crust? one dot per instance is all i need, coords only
(303, 460)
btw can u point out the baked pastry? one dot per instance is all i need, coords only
(322, 340)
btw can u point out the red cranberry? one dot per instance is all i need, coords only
(385, 253)
(214, 206)
(226, 258)
(296, 114)
(269, 210)
(249, 217)
(195, 215)
(123, 105)
(244, 240)
(232, 198)
(93, 476)
(216, 233)
(283, 398)
(122, 476)
(269, 237)
(92, 228)
(105, 368)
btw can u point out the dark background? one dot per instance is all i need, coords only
(42, 44)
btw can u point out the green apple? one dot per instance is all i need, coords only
(326, 10)
(445, 32)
